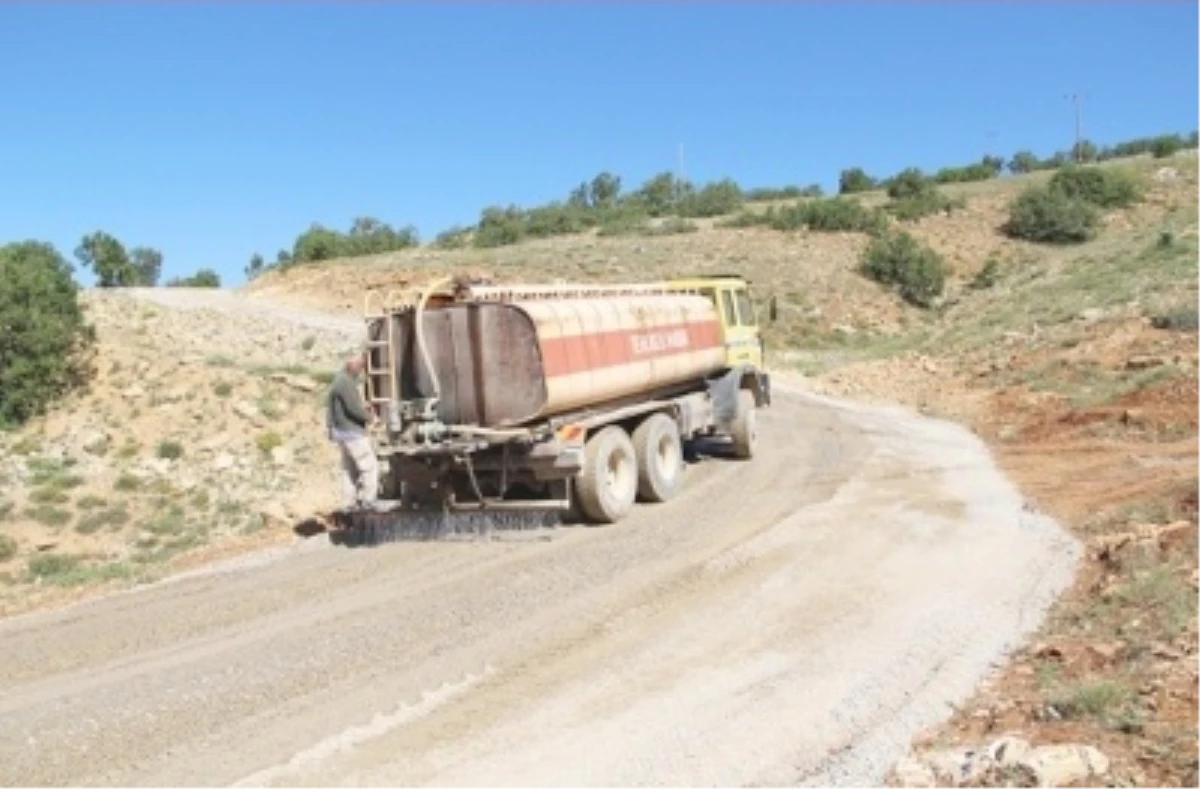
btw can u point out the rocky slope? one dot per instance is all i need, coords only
(202, 425)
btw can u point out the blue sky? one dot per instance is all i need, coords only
(214, 130)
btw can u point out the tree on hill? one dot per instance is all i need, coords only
(855, 180)
(255, 266)
(604, 190)
(907, 184)
(148, 263)
(43, 337)
(204, 278)
(107, 258)
(1023, 162)
(1084, 151)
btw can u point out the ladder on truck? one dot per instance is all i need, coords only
(379, 376)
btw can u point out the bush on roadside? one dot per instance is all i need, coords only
(44, 341)
(916, 272)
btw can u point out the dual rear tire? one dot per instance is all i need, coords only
(619, 470)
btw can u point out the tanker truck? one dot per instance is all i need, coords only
(558, 398)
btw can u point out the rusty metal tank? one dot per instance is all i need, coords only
(503, 363)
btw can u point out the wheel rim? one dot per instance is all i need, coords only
(618, 475)
(667, 455)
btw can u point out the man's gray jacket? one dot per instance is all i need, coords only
(346, 415)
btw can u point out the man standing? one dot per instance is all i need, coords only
(347, 418)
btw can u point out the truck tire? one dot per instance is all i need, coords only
(745, 426)
(659, 453)
(607, 485)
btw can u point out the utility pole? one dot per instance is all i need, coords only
(679, 178)
(1077, 100)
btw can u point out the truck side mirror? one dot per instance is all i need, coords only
(773, 310)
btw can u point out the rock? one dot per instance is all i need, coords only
(1164, 652)
(1134, 416)
(1166, 175)
(214, 442)
(1060, 765)
(1175, 535)
(913, 772)
(246, 410)
(1145, 362)
(1008, 750)
(1106, 652)
(281, 456)
(133, 392)
(845, 330)
(301, 383)
(222, 462)
(1091, 315)
(273, 513)
(94, 442)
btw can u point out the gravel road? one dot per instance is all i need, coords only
(795, 619)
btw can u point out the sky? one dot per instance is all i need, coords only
(212, 131)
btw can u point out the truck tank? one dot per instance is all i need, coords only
(504, 363)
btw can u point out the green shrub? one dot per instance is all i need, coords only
(127, 482)
(94, 521)
(204, 278)
(987, 276)
(48, 565)
(673, 226)
(715, 199)
(1050, 216)
(44, 341)
(8, 547)
(49, 515)
(899, 261)
(1183, 319)
(1167, 145)
(223, 389)
(170, 450)
(1103, 187)
(927, 202)
(6, 508)
(90, 502)
(49, 495)
(267, 441)
(908, 183)
(308, 343)
(855, 180)
(834, 215)
(623, 225)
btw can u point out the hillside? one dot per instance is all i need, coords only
(1078, 363)
(201, 436)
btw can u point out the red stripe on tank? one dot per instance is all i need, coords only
(600, 350)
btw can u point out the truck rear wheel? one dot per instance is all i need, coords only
(659, 452)
(745, 425)
(607, 485)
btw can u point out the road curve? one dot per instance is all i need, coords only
(794, 619)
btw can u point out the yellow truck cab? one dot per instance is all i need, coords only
(739, 323)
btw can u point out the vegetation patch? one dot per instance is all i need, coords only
(170, 450)
(8, 547)
(49, 515)
(127, 482)
(45, 346)
(112, 517)
(913, 270)
(267, 441)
